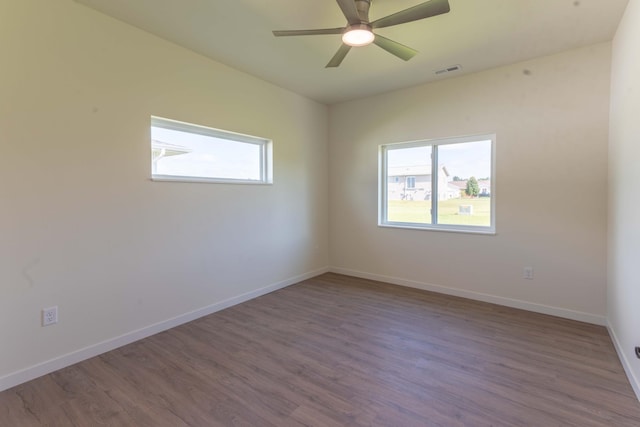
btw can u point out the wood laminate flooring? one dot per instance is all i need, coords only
(337, 350)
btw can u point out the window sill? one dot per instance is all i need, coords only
(449, 229)
(171, 178)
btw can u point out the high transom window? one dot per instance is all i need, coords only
(187, 152)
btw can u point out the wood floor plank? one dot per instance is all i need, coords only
(336, 350)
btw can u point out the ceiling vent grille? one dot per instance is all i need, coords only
(450, 69)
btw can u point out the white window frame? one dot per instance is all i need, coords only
(434, 226)
(265, 152)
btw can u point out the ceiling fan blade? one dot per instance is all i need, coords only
(350, 11)
(421, 11)
(339, 56)
(395, 48)
(280, 33)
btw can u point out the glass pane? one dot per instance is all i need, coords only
(179, 153)
(464, 184)
(409, 185)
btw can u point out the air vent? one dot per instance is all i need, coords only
(450, 69)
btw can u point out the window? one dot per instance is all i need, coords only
(444, 184)
(186, 152)
(411, 182)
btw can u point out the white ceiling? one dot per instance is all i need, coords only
(477, 34)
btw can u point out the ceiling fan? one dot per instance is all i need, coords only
(359, 30)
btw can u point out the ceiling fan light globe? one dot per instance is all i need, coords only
(358, 37)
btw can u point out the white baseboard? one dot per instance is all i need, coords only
(508, 302)
(32, 372)
(635, 384)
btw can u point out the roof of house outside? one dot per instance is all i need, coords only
(414, 170)
(169, 149)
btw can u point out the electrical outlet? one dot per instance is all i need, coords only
(49, 316)
(527, 273)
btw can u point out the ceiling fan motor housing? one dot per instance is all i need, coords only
(363, 26)
(359, 33)
(363, 10)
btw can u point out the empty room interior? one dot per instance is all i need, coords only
(436, 228)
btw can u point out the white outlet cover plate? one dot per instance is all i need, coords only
(49, 316)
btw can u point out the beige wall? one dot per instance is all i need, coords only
(624, 204)
(84, 228)
(551, 120)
